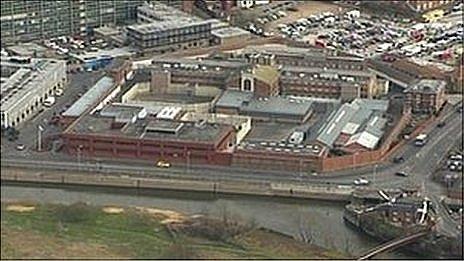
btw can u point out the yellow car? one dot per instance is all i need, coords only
(163, 164)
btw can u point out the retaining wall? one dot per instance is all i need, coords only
(333, 193)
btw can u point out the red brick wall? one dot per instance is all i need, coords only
(153, 150)
(226, 110)
(295, 87)
(367, 157)
(263, 89)
(275, 161)
(119, 73)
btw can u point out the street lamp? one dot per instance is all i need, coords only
(354, 159)
(40, 129)
(188, 162)
(79, 148)
(375, 172)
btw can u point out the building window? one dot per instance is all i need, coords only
(247, 85)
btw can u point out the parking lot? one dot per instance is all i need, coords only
(361, 34)
(26, 143)
(450, 168)
(264, 20)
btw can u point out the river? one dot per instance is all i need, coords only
(322, 219)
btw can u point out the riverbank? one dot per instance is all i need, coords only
(273, 189)
(32, 230)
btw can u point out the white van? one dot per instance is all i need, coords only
(49, 101)
(58, 92)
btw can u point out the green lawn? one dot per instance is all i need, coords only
(57, 231)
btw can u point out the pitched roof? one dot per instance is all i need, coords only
(355, 118)
(364, 139)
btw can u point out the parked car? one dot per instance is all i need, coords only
(401, 174)
(20, 147)
(441, 124)
(398, 159)
(456, 157)
(163, 164)
(361, 182)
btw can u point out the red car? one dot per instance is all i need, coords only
(388, 58)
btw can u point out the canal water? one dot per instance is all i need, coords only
(322, 220)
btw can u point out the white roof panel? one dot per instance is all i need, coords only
(364, 139)
(350, 128)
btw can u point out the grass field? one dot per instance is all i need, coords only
(82, 231)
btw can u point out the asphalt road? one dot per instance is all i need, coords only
(419, 162)
(446, 224)
(77, 83)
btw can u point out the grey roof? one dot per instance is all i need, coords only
(230, 32)
(318, 70)
(126, 116)
(284, 50)
(277, 106)
(160, 130)
(375, 125)
(371, 104)
(158, 11)
(427, 86)
(205, 62)
(112, 110)
(28, 81)
(164, 126)
(233, 99)
(92, 96)
(361, 116)
(246, 103)
(365, 114)
(337, 120)
(26, 49)
(161, 26)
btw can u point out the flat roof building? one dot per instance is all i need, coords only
(230, 35)
(128, 131)
(23, 21)
(170, 35)
(26, 84)
(164, 28)
(90, 98)
(264, 108)
(346, 84)
(314, 72)
(220, 73)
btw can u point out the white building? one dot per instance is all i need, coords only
(25, 84)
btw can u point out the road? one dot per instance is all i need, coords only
(77, 83)
(446, 224)
(419, 162)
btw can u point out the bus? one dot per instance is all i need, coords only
(420, 140)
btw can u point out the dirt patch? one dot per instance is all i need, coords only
(20, 208)
(166, 216)
(29, 244)
(113, 210)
